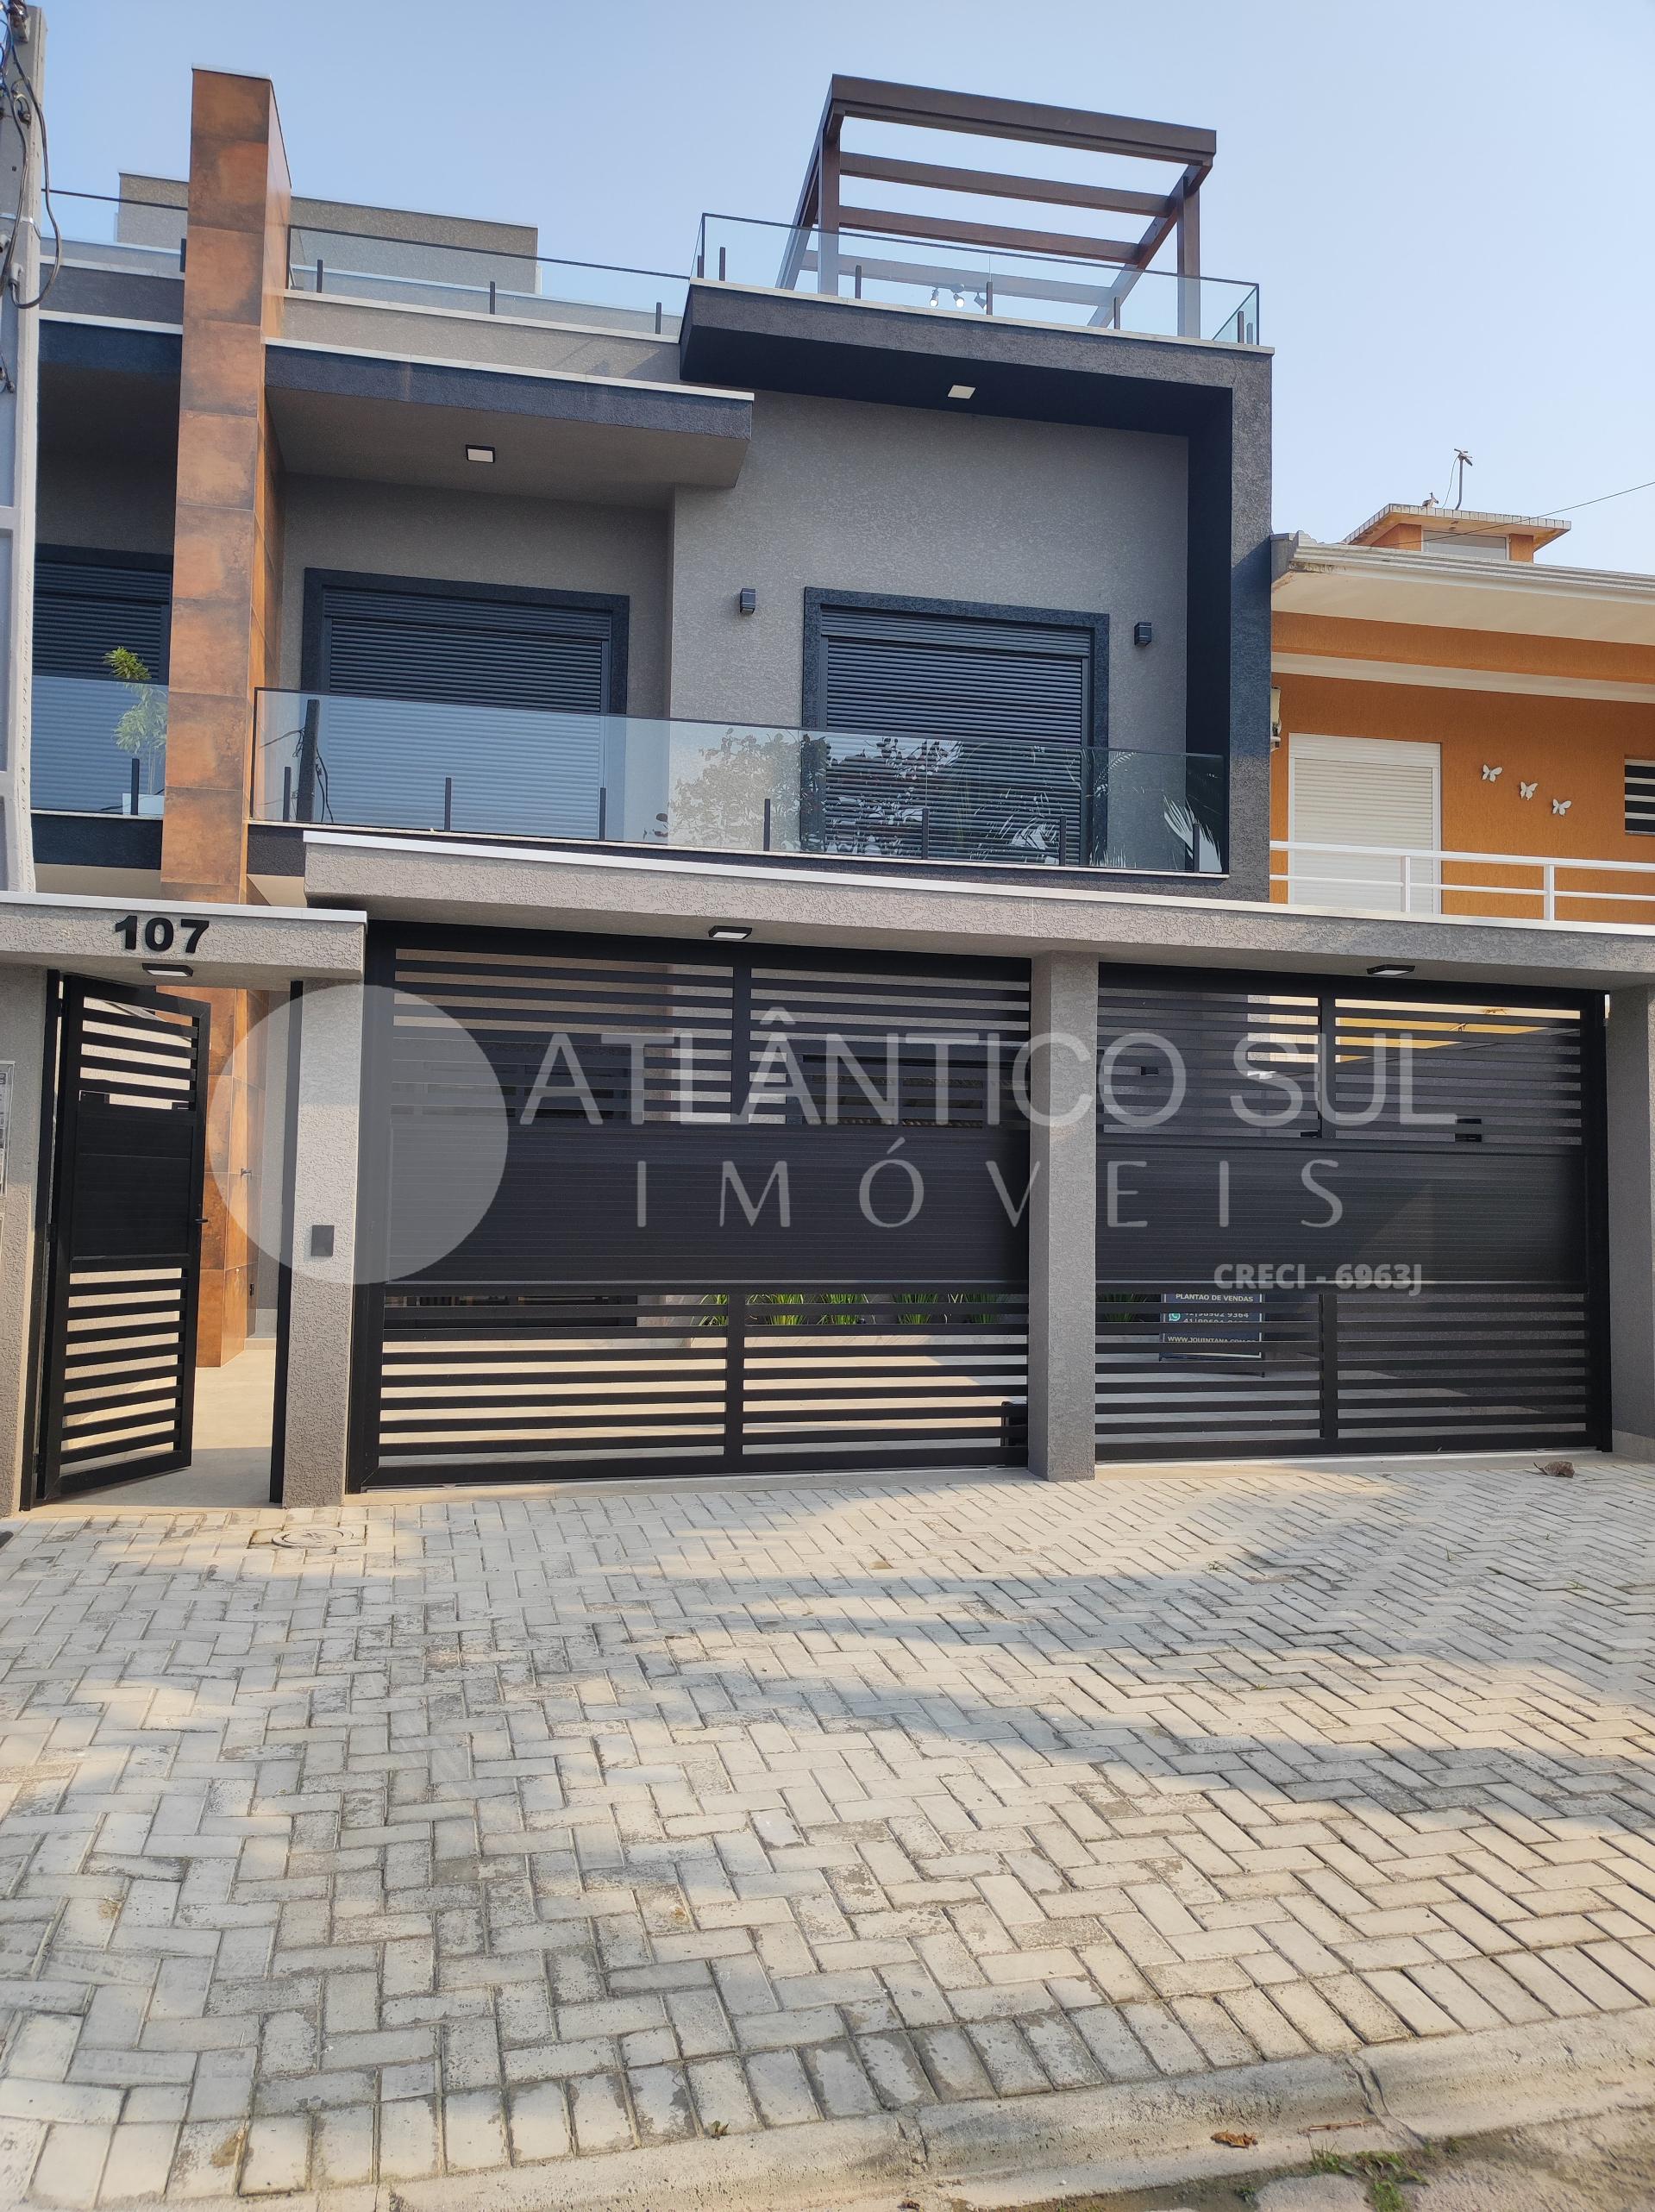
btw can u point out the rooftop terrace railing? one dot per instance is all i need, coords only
(733, 787)
(878, 269)
(886, 269)
(103, 231)
(478, 280)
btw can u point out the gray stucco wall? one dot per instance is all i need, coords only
(404, 531)
(104, 500)
(841, 494)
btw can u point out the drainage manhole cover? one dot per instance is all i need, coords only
(307, 1539)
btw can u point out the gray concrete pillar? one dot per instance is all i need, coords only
(322, 1297)
(23, 1042)
(1063, 1218)
(1630, 1085)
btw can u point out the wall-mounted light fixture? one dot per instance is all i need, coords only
(173, 970)
(730, 932)
(962, 392)
(479, 453)
(1393, 967)
(747, 600)
(1143, 633)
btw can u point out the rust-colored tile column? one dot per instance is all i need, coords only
(225, 583)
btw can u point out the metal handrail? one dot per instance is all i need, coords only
(1432, 856)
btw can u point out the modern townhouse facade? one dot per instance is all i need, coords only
(751, 791)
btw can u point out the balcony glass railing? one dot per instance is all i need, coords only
(139, 237)
(474, 281)
(715, 787)
(97, 746)
(976, 280)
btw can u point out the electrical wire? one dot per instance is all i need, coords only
(1626, 491)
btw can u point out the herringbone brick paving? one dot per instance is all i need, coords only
(519, 1828)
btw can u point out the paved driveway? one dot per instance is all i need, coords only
(517, 1829)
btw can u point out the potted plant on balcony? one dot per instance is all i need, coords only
(141, 730)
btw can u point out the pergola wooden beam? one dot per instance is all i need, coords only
(1053, 192)
(1002, 235)
(926, 108)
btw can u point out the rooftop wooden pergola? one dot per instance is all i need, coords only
(1176, 211)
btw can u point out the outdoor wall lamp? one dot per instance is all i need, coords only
(1393, 967)
(1143, 633)
(729, 932)
(479, 453)
(962, 392)
(747, 600)
(173, 970)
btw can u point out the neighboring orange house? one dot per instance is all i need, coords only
(1441, 694)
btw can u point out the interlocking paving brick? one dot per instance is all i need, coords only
(535, 1827)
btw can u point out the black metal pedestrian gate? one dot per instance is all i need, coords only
(759, 1208)
(123, 1239)
(1362, 1216)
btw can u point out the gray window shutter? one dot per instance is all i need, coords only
(481, 651)
(85, 609)
(956, 676)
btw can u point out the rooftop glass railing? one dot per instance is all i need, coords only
(887, 270)
(883, 269)
(97, 746)
(733, 787)
(476, 280)
(100, 231)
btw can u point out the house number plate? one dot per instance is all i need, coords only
(160, 932)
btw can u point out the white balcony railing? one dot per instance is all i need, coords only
(1420, 880)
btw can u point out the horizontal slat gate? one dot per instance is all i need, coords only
(1352, 1219)
(118, 1376)
(677, 1272)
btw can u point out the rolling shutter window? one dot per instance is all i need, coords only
(955, 676)
(463, 651)
(1640, 799)
(85, 609)
(1364, 791)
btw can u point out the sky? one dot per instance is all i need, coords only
(1447, 204)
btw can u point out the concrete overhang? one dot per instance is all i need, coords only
(483, 887)
(1374, 584)
(909, 357)
(345, 413)
(249, 948)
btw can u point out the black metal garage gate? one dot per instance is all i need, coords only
(1368, 1217)
(759, 1209)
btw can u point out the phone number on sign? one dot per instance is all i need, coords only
(1291, 1274)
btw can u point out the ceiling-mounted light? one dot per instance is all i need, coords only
(479, 453)
(729, 932)
(1393, 967)
(171, 970)
(962, 392)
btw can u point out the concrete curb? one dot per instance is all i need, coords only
(1018, 2151)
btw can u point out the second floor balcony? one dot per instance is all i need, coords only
(720, 787)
